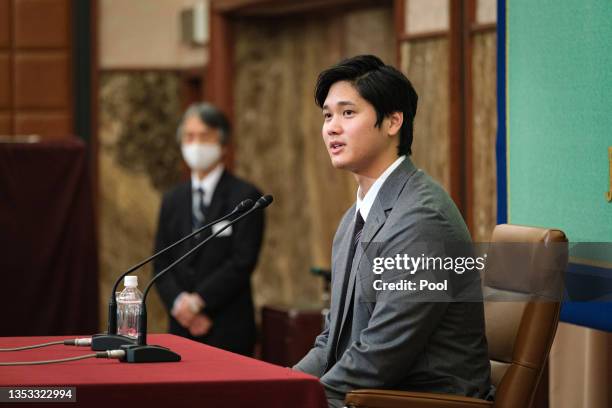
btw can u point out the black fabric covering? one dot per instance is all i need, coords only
(48, 251)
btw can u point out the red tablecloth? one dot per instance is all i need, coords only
(205, 377)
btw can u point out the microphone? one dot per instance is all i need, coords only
(141, 352)
(263, 202)
(111, 340)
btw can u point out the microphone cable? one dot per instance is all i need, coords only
(82, 342)
(116, 354)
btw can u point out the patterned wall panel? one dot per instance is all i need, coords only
(425, 63)
(366, 29)
(426, 60)
(279, 145)
(138, 160)
(484, 122)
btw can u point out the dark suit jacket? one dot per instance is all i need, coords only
(220, 271)
(386, 339)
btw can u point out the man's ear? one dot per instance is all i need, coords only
(396, 119)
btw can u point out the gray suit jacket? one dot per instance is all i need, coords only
(387, 341)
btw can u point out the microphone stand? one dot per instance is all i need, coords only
(141, 352)
(111, 340)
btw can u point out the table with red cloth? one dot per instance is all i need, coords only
(205, 377)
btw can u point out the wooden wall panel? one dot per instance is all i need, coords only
(5, 23)
(6, 124)
(6, 119)
(36, 67)
(425, 63)
(42, 23)
(42, 81)
(48, 125)
(484, 128)
(5, 85)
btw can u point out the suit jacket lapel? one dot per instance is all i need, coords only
(376, 219)
(218, 204)
(393, 186)
(339, 270)
(383, 204)
(186, 210)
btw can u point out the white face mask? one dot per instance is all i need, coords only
(200, 156)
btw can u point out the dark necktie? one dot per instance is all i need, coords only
(199, 213)
(357, 230)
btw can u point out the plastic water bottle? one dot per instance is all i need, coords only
(129, 307)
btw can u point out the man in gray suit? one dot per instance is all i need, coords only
(377, 338)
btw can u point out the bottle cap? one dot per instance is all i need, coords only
(130, 281)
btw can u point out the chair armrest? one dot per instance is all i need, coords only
(406, 399)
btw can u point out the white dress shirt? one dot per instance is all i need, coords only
(364, 205)
(208, 184)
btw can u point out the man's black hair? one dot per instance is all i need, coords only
(386, 88)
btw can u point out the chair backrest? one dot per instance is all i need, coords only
(520, 333)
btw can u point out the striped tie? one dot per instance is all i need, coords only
(357, 232)
(199, 210)
(356, 238)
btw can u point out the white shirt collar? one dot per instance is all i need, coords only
(208, 183)
(364, 205)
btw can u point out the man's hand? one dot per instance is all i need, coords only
(183, 311)
(196, 303)
(200, 325)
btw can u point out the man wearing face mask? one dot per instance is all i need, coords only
(208, 296)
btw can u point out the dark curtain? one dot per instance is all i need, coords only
(48, 253)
